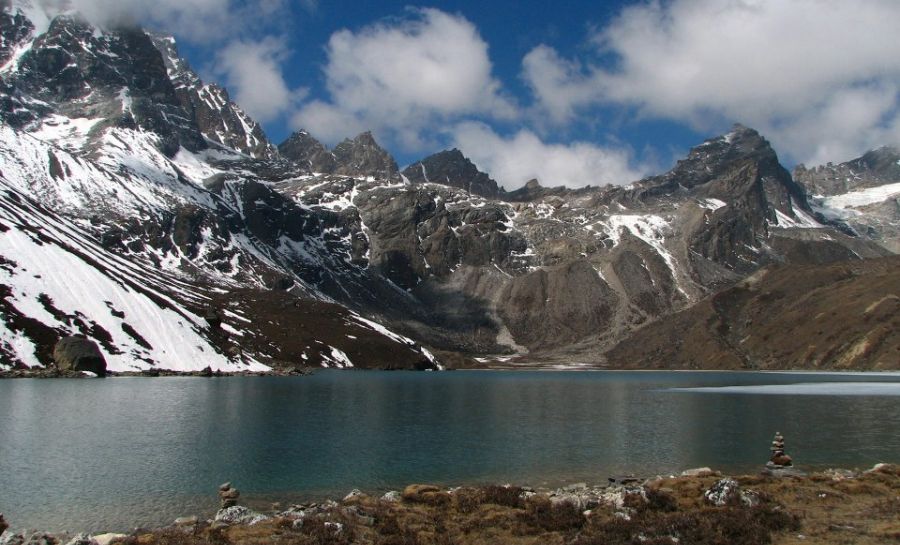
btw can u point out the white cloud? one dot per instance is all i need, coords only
(403, 76)
(783, 67)
(557, 83)
(515, 160)
(194, 20)
(252, 72)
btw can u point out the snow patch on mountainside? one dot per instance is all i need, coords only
(802, 220)
(68, 283)
(712, 204)
(863, 197)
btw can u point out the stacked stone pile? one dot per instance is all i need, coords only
(779, 459)
(228, 496)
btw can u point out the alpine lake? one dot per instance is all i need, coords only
(115, 454)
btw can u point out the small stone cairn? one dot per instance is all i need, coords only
(228, 496)
(779, 459)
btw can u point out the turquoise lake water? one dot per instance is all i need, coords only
(114, 454)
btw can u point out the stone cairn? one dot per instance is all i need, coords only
(779, 459)
(228, 496)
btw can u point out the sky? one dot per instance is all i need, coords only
(575, 93)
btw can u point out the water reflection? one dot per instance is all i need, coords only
(112, 454)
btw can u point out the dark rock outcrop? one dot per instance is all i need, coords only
(451, 167)
(363, 157)
(79, 354)
(877, 167)
(305, 150)
(217, 117)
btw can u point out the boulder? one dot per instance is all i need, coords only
(728, 492)
(82, 539)
(238, 514)
(391, 496)
(422, 493)
(77, 353)
(355, 493)
(11, 538)
(41, 538)
(107, 539)
(698, 472)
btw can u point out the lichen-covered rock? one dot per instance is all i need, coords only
(82, 539)
(238, 514)
(79, 354)
(729, 492)
(11, 538)
(107, 539)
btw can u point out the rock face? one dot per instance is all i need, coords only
(217, 117)
(873, 169)
(79, 354)
(362, 156)
(118, 75)
(452, 168)
(305, 150)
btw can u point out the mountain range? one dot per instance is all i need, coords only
(142, 208)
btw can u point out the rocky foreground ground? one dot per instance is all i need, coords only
(696, 507)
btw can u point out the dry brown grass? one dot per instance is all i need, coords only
(818, 509)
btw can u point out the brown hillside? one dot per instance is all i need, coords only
(841, 316)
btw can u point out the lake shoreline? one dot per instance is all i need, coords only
(830, 506)
(53, 373)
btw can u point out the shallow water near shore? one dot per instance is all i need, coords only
(113, 454)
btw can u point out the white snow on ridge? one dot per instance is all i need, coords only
(803, 220)
(68, 133)
(712, 204)
(97, 287)
(76, 287)
(650, 228)
(337, 358)
(375, 326)
(863, 197)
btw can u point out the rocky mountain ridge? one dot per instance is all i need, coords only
(861, 197)
(165, 179)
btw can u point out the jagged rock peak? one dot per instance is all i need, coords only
(362, 156)
(302, 148)
(451, 167)
(716, 156)
(218, 118)
(874, 168)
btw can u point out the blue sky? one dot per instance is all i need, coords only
(574, 93)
